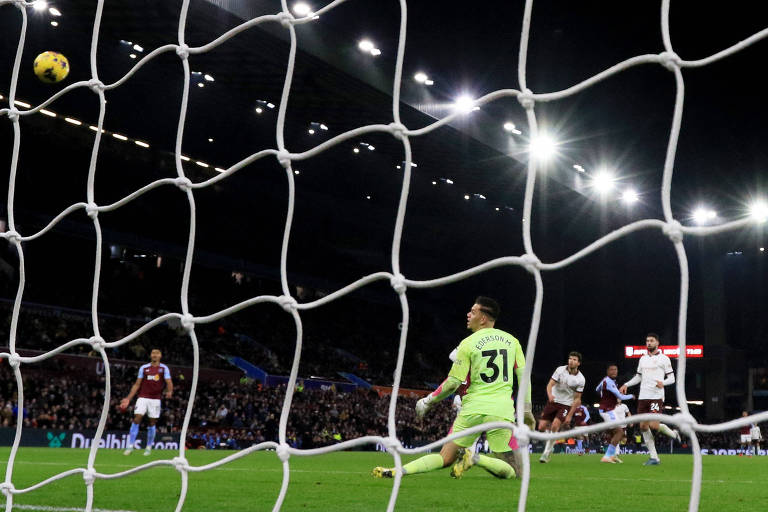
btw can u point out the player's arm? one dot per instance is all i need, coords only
(134, 389)
(168, 387)
(575, 405)
(528, 417)
(447, 388)
(550, 385)
(611, 386)
(586, 414)
(669, 375)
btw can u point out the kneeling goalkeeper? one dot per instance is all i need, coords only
(487, 355)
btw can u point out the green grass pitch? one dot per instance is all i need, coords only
(342, 482)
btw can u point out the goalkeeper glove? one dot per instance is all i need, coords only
(528, 417)
(457, 403)
(423, 405)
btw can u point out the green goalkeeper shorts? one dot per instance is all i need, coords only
(499, 439)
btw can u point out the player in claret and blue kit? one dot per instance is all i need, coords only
(153, 377)
(609, 397)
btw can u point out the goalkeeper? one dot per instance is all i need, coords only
(486, 355)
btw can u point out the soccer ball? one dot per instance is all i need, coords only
(51, 67)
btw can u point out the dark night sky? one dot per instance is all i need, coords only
(597, 305)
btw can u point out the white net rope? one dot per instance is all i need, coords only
(527, 98)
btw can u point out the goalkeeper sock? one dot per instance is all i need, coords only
(580, 444)
(610, 451)
(494, 466)
(648, 438)
(133, 433)
(667, 431)
(423, 464)
(550, 446)
(151, 436)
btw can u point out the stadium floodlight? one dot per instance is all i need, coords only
(578, 168)
(323, 127)
(302, 9)
(54, 23)
(201, 84)
(466, 196)
(759, 211)
(210, 139)
(119, 137)
(434, 183)
(703, 215)
(54, 11)
(368, 197)
(762, 249)
(73, 121)
(355, 150)
(201, 164)
(208, 78)
(464, 104)
(429, 81)
(296, 172)
(629, 196)
(47, 112)
(420, 77)
(22, 104)
(366, 46)
(259, 110)
(603, 181)
(542, 147)
(509, 127)
(133, 56)
(311, 131)
(138, 48)
(141, 143)
(375, 52)
(40, 5)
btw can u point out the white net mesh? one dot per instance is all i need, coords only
(528, 100)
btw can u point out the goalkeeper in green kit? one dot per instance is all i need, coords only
(486, 360)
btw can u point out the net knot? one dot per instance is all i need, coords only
(674, 231)
(182, 51)
(285, 19)
(7, 488)
(670, 60)
(398, 283)
(180, 463)
(89, 476)
(92, 210)
(283, 453)
(526, 99)
(97, 342)
(21, 4)
(12, 236)
(530, 262)
(14, 360)
(96, 85)
(391, 444)
(288, 303)
(13, 113)
(284, 157)
(398, 130)
(183, 183)
(188, 322)
(523, 435)
(687, 421)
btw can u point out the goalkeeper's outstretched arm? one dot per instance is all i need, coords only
(447, 388)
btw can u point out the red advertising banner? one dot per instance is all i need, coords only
(671, 351)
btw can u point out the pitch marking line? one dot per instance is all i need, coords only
(44, 508)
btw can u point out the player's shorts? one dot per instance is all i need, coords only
(653, 406)
(555, 410)
(746, 438)
(500, 440)
(147, 406)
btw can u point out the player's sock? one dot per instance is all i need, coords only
(133, 433)
(579, 444)
(648, 438)
(494, 466)
(151, 436)
(667, 431)
(423, 464)
(549, 447)
(610, 451)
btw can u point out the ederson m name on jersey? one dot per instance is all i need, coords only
(496, 337)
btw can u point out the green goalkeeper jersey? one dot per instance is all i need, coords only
(490, 357)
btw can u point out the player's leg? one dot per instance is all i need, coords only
(556, 424)
(505, 463)
(153, 414)
(138, 414)
(664, 429)
(645, 429)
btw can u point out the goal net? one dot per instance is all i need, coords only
(400, 283)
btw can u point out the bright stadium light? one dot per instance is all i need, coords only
(759, 211)
(40, 5)
(302, 9)
(543, 147)
(365, 45)
(138, 48)
(629, 196)
(54, 23)
(420, 77)
(603, 182)
(375, 52)
(464, 104)
(703, 215)
(509, 127)
(54, 11)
